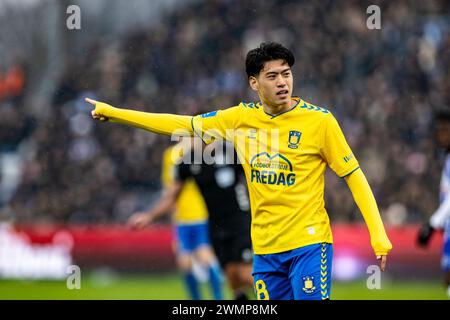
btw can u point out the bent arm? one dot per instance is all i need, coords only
(167, 201)
(363, 196)
(161, 123)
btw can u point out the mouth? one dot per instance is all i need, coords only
(282, 93)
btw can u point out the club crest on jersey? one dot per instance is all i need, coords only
(308, 284)
(294, 139)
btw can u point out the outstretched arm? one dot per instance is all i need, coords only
(164, 205)
(161, 123)
(363, 196)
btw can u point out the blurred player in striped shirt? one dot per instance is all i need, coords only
(440, 220)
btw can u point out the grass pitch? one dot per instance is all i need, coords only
(170, 287)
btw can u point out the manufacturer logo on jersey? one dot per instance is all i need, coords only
(348, 158)
(294, 139)
(209, 114)
(308, 284)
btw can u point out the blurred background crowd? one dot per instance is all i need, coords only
(57, 165)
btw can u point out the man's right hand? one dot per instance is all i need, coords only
(100, 109)
(139, 220)
(424, 235)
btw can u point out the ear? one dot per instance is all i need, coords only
(253, 82)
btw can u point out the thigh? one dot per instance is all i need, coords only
(272, 286)
(310, 272)
(184, 239)
(200, 235)
(245, 274)
(271, 278)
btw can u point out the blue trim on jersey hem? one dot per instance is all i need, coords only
(274, 116)
(350, 172)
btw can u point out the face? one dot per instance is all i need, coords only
(274, 83)
(443, 134)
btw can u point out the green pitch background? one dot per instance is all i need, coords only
(170, 286)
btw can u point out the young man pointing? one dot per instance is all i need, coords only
(284, 144)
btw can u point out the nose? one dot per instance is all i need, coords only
(281, 82)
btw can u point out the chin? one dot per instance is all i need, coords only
(284, 100)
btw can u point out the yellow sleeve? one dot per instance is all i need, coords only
(335, 149)
(161, 123)
(167, 168)
(365, 200)
(216, 125)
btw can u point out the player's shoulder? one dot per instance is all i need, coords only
(224, 112)
(237, 112)
(250, 106)
(312, 109)
(314, 115)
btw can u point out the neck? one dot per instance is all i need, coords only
(274, 110)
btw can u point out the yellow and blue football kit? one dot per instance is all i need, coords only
(284, 158)
(298, 274)
(190, 217)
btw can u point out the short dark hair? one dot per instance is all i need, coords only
(267, 51)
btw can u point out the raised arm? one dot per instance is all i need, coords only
(161, 123)
(363, 196)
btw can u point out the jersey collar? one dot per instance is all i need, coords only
(279, 114)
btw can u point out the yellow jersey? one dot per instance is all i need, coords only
(190, 206)
(284, 159)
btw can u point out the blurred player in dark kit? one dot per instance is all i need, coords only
(222, 185)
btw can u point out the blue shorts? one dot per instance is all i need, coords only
(445, 263)
(192, 236)
(300, 274)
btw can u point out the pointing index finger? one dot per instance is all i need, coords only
(91, 101)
